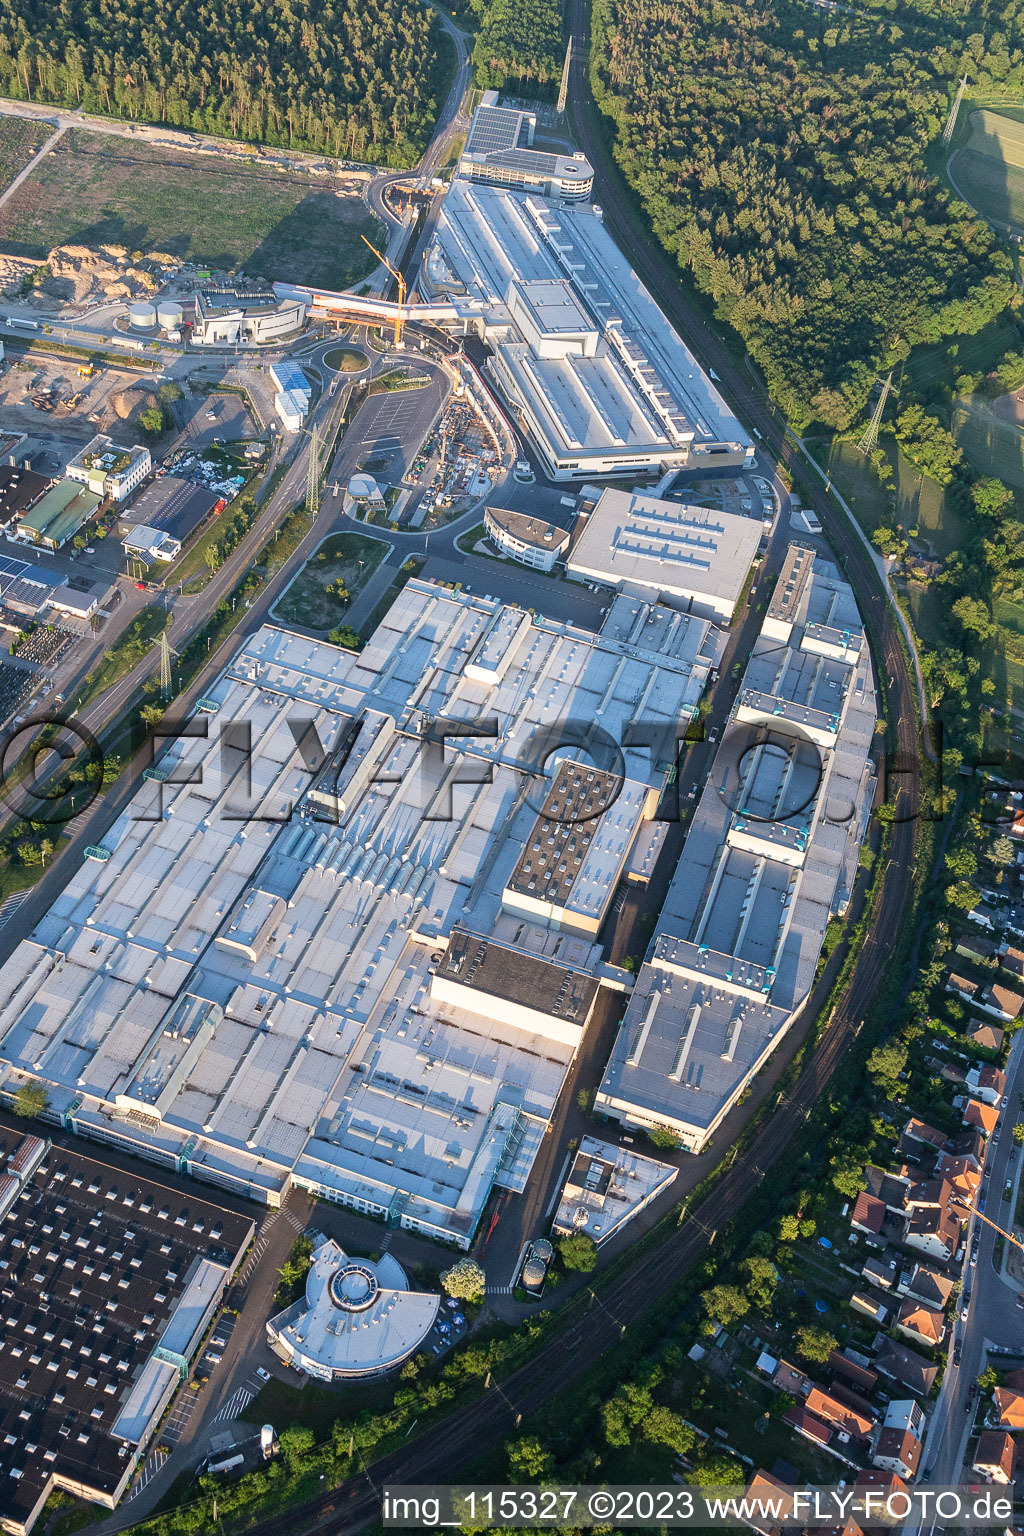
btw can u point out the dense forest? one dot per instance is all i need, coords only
(780, 154)
(355, 78)
(517, 41)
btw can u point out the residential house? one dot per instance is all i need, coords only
(807, 1425)
(962, 986)
(927, 1286)
(1009, 1407)
(927, 1195)
(961, 1174)
(988, 1083)
(921, 1324)
(869, 1306)
(1001, 1002)
(849, 1527)
(919, 1130)
(905, 1413)
(976, 948)
(988, 1036)
(786, 1378)
(995, 1456)
(905, 1366)
(898, 1451)
(984, 1117)
(951, 1073)
(775, 1498)
(984, 916)
(1011, 959)
(850, 1423)
(972, 1145)
(868, 1214)
(933, 1232)
(854, 1367)
(890, 1188)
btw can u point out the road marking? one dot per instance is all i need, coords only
(149, 1469)
(237, 1404)
(9, 907)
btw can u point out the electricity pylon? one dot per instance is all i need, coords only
(166, 652)
(947, 132)
(869, 439)
(313, 473)
(563, 89)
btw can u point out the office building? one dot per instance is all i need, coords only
(771, 855)
(691, 557)
(109, 470)
(499, 151)
(530, 540)
(358, 1317)
(229, 315)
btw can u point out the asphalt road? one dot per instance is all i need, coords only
(993, 1319)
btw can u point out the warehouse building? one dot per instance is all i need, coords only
(294, 393)
(58, 515)
(160, 522)
(530, 540)
(229, 315)
(499, 151)
(770, 856)
(358, 1317)
(687, 556)
(592, 371)
(324, 969)
(20, 488)
(109, 1282)
(110, 470)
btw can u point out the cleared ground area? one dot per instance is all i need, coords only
(989, 170)
(19, 141)
(95, 189)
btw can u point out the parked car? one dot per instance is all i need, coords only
(262, 1374)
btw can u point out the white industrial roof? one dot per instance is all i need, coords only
(770, 855)
(638, 541)
(257, 990)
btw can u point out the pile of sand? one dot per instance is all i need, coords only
(130, 403)
(79, 275)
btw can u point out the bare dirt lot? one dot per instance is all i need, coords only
(95, 189)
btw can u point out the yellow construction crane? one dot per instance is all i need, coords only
(400, 280)
(956, 1200)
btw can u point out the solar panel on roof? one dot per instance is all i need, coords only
(9, 567)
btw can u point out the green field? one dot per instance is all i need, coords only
(964, 354)
(348, 557)
(989, 169)
(993, 446)
(100, 189)
(346, 360)
(19, 141)
(921, 503)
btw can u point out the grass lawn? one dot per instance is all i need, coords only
(926, 614)
(346, 360)
(965, 354)
(415, 564)
(921, 503)
(989, 168)
(316, 1406)
(346, 557)
(20, 139)
(95, 189)
(993, 446)
(140, 636)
